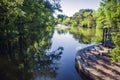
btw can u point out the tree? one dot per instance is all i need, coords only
(66, 21)
(85, 18)
(23, 23)
(61, 18)
(74, 24)
(108, 13)
(108, 16)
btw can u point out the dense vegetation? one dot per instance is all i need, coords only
(26, 27)
(62, 19)
(109, 16)
(23, 18)
(83, 18)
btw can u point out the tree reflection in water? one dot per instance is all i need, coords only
(84, 35)
(23, 57)
(46, 66)
(87, 35)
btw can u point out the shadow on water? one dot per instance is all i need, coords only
(29, 66)
(46, 67)
(24, 57)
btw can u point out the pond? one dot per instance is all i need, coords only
(55, 61)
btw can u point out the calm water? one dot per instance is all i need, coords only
(66, 64)
(54, 64)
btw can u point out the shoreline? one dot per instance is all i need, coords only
(94, 62)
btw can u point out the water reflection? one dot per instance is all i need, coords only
(23, 57)
(62, 31)
(27, 57)
(84, 35)
(88, 35)
(46, 66)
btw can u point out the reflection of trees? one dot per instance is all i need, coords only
(87, 35)
(46, 65)
(21, 56)
(62, 31)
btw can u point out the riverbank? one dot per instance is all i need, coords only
(94, 62)
(60, 26)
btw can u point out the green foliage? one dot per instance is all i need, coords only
(61, 16)
(23, 17)
(85, 18)
(62, 19)
(59, 21)
(98, 35)
(115, 55)
(21, 66)
(25, 25)
(74, 24)
(66, 21)
(109, 16)
(87, 35)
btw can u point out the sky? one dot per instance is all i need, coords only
(69, 7)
